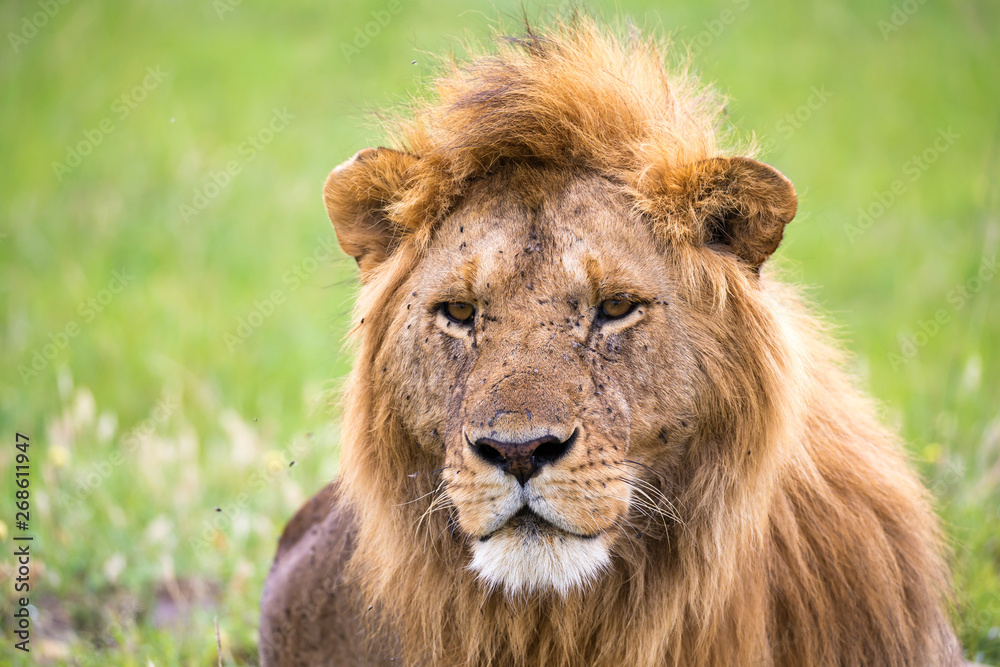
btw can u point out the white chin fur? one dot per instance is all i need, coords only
(524, 563)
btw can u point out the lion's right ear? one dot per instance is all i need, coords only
(357, 194)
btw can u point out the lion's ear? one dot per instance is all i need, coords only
(742, 206)
(357, 194)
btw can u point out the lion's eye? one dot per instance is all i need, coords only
(460, 313)
(614, 309)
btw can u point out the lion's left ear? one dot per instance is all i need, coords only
(740, 205)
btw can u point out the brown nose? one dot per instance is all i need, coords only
(522, 459)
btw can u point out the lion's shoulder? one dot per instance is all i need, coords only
(310, 612)
(322, 508)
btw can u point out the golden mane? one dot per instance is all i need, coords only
(576, 97)
(803, 539)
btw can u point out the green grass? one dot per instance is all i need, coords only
(152, 417)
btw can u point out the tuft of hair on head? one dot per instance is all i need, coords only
(579, 97)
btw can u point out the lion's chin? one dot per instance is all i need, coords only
(524, 560)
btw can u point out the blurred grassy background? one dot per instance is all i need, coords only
(167, 402)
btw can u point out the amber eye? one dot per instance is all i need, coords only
(460, 313)
(614, 309)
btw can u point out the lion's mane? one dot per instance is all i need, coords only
(804, 540)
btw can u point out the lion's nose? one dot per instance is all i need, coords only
(522, 459)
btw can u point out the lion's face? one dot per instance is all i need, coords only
(537, 337)
(570, 362)
(538, 344)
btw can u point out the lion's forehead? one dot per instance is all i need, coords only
(557, 238)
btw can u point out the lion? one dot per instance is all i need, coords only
(586, 425)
